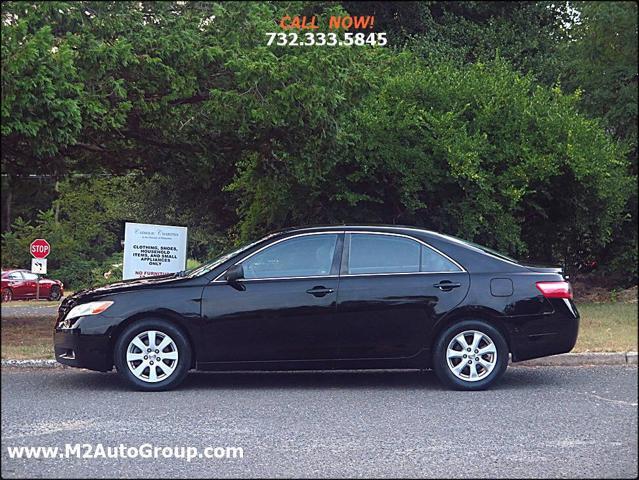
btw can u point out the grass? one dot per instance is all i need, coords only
(25, 338)
(36, 303)
(31, 303)
(605, 327)
(28, 352)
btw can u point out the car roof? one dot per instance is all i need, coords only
(354, 226)
(11, 270)
(404, 229)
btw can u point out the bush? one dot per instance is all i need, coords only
(76, 274)
(477, 151)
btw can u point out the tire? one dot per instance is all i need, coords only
(456, 370)
(132, 346)
(54, 294)
(7, 295)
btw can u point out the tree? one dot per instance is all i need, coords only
(528, 35)
(233, 137)
(601, 64)
(480, 151)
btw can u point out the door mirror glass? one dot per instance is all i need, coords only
(235, 273)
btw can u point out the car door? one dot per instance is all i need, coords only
(392, 290)
(283, 308)
(19, 286)
(30, 284)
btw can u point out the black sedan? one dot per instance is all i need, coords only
(338, 297)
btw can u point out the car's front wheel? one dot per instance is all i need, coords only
(7, 295)
(470, 355)
(152, 355)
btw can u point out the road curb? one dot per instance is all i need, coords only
(563, 360)
(579, 359)
(36, 363)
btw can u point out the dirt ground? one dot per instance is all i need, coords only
(588, 293)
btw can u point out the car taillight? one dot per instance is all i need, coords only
(555, 289)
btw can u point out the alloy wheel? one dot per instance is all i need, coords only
(152, 356)
(471, 355)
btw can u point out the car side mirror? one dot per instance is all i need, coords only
(235, 273)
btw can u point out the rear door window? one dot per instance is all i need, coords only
(385, 254)
(374, 254)
(435, 262)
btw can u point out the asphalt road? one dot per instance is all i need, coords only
(539, 422)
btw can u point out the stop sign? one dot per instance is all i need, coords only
(40, 248)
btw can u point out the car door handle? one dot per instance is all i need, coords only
(320, 291)
(446, 286)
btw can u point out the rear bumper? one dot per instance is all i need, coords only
(544, 335)
(82, 351)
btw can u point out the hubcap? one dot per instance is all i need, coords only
(152, 356)
(471, 355)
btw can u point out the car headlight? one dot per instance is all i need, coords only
(91, 308)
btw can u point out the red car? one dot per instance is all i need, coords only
(22, 285)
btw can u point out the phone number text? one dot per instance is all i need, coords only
(318, 39)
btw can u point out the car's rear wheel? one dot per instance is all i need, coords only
(7, 295)
(153, 355)
(55, 293)
(470, 355)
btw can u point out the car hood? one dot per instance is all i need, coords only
(127, 286)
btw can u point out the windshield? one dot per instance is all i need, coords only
(207, 267)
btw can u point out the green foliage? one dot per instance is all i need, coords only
(108, 271)
(86, 238)
(455, 126)
(192, 263)
(601, 61)
(528, 35)
(40, 93)
(475, 151)
(83, 238)
(15, 244)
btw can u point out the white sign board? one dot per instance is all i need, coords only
(153, 250)
(39, 265)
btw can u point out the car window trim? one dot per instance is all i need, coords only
(339, 233)
(347, 253)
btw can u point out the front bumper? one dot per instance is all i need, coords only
(83, 351)
(544, 335)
